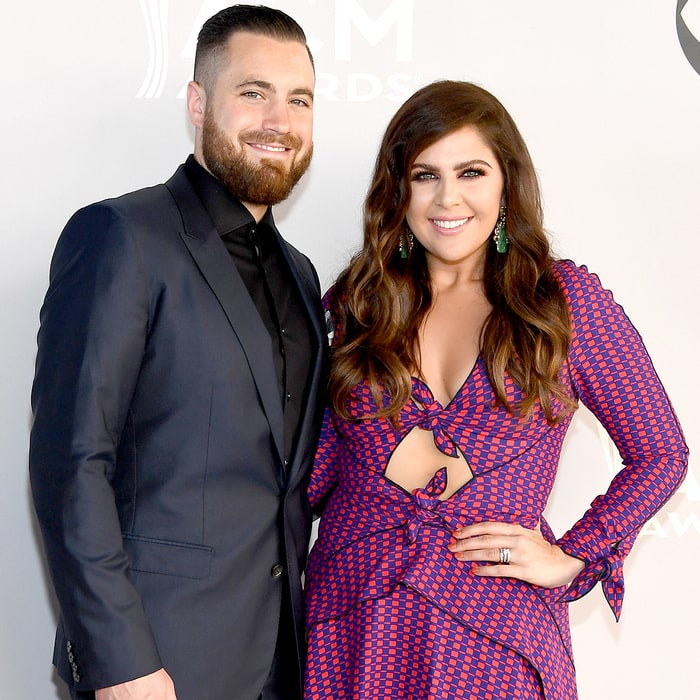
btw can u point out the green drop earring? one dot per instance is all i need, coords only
(499, 233)
(405, 247)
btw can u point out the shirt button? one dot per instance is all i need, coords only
(289, 396)
(277, 571)
(284, 331)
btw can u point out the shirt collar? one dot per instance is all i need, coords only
(226, 211)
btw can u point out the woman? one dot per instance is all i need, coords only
(460, 351)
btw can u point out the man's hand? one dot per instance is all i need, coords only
(155, 686)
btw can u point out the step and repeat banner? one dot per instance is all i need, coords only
(607, 95)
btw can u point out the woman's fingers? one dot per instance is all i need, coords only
(514, 552)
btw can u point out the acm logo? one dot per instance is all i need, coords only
(688, 28)
(352, 19)
(351, 23)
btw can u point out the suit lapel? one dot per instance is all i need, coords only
(214, 262)
(310, 296)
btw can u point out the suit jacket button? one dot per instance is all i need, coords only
(276, 571)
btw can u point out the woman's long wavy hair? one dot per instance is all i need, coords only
(381, 299)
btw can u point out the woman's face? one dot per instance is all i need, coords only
(456, 192)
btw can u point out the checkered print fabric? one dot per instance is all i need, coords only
(391, 613)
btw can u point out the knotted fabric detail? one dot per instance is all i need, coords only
(427, 509)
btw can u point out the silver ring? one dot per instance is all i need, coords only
(504, 555)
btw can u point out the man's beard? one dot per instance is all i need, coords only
(267, 182)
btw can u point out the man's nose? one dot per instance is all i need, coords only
(276, 117)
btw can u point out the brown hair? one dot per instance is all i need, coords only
(215, 33)
(381, 300)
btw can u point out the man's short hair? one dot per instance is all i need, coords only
(217, 30)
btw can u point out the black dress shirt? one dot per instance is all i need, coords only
(256, 251)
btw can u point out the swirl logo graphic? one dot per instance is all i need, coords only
(689, 42)
(155, 13)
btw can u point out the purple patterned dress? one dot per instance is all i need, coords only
(392, 614)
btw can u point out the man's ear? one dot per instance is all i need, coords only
(196, 103)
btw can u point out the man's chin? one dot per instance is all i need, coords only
(278, 166)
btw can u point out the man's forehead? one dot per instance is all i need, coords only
(258, 46)
(257, 58)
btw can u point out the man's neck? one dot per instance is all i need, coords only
(257, 210)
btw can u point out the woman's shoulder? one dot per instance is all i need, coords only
(329, 297)
(590, 304)
(577, 281)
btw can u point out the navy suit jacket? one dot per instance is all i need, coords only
(156, 455)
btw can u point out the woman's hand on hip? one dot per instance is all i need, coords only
(516, 552)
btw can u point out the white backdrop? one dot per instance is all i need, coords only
(607, 95)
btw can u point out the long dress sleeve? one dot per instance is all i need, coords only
(325, 471)
(326, 463)
(614, 377)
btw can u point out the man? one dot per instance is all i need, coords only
(176, 399)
